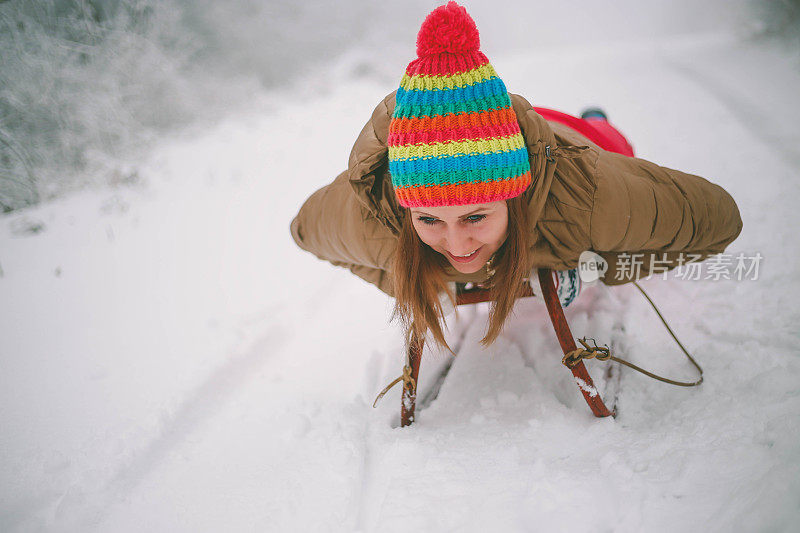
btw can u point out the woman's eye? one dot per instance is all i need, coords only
(472, 219)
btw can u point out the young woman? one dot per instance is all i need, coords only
(453, 179)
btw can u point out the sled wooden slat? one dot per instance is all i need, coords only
(474, 296)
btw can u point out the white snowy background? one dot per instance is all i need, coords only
(171, 361)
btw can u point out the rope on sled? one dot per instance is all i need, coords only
(603, 353)
(408, 384)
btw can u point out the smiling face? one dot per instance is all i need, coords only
(467, 235)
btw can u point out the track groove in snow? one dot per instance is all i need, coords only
(197, 409)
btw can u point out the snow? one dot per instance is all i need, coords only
(592, 391)
(170, 361)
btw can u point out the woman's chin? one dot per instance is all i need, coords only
(467, 268)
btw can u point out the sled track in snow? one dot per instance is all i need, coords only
(613, 373)
(373, 487)
(197, 408)
(432, 393)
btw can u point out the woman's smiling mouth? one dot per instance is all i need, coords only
(464, 258)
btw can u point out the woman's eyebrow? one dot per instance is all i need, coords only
(468, 214)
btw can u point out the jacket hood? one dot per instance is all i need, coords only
(369, 162)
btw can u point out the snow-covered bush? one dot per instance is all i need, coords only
(84, 82)
(81, 78)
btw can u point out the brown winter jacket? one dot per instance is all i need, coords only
(581, 198)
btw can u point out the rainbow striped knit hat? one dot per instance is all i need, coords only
(454, 137)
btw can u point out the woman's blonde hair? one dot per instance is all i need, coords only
(418, 277)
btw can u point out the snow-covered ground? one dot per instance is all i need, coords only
(170, 361)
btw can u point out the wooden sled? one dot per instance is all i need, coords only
(565, 339)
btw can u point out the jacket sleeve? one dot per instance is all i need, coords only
(665, 215)
(376, 276)
(335, 227)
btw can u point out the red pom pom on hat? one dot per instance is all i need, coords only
(448, 29)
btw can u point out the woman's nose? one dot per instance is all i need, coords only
(458, 242)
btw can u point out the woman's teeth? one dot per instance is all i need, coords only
(469, 254)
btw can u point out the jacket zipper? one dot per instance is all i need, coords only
(564, 152)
